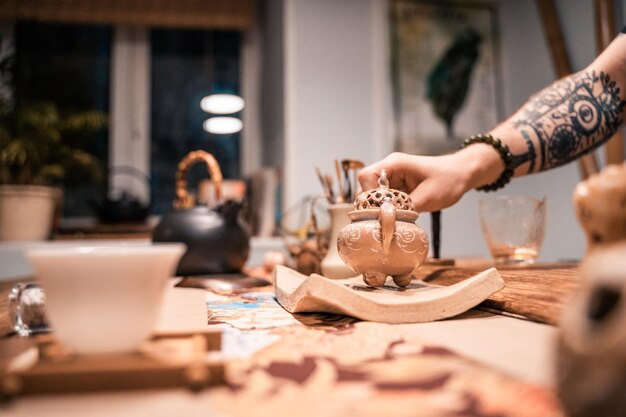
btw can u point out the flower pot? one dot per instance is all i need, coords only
(27, 212)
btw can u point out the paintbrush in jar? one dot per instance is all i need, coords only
(328, 192)
(348, 166)
(341, 197)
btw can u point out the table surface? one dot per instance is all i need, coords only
(279, 364)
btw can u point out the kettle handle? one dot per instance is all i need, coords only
(183, 199)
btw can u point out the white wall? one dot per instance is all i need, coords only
(335, 88)
(336, 103)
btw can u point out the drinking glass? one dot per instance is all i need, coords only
(513, 227)
(27, 309)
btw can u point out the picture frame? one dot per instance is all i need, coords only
(445, 70)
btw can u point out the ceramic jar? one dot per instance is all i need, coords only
(332, 265)
(600, 203)
(382, 238)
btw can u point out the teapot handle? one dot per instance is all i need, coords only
(183, 199)
(387, 220)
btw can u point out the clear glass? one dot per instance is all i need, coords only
(27, 305)
(513, 227)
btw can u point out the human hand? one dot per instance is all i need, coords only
(435, 182)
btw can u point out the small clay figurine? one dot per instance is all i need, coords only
(591, 365)
(600, 203)
(382, 239)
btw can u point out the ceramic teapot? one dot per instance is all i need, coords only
(217, 241)
(382, 238)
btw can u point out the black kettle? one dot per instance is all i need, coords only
(217, 242)
(127, 208)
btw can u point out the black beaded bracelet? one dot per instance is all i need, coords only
(505, 154)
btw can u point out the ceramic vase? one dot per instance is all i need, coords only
(332, 265)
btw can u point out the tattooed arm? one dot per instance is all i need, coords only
(570, 118)
(564, 121)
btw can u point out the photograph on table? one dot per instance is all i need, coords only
(445, 73)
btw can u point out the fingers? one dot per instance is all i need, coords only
(425, 198)
(368, 176)
(434, 183)
(393, 164)
(433, 195)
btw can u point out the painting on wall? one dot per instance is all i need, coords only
(445, 73)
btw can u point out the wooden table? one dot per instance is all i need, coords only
(536, 292)
(278, 364)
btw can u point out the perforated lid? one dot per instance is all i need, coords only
(374, 198)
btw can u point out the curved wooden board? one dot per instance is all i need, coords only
(419, 302)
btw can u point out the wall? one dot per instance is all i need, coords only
(336, 103)
(334, 88)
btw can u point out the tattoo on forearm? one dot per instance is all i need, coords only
(529, 156)
(568, 119)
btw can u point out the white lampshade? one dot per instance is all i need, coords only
(222, 104)
(222, 125)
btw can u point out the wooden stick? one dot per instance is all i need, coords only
(327, 191)
(340, 194)
(605, 32)
(587, 164)
(435, 218)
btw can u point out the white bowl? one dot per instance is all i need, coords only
(104, 298)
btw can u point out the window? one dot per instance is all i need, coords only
(150, 82)
(67, 65)
(186, 66)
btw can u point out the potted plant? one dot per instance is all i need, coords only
(37, 152)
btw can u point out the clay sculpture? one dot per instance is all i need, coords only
(600, 203)
(382, 238)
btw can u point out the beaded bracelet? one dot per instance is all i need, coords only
(505, 154)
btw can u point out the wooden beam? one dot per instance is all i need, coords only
(587, 164)
(605, 32)
(209, 14)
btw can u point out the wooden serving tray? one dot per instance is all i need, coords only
(40, 365)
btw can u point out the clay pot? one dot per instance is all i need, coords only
(591, 348)
(382, 239)
(600, 203)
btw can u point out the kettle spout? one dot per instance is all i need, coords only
(230, 210)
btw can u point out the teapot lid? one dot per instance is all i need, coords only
(375, 198)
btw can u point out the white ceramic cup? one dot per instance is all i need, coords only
(104, 298)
